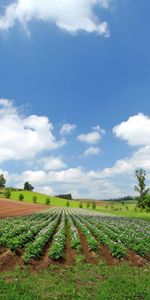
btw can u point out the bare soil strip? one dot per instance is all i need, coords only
(135, 259)
(11, 208)
(90, 256)
(110, 260)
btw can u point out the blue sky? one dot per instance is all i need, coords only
(85, 65)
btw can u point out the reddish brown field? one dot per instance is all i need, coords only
(11, 208)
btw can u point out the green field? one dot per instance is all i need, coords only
(114, 208)
(41, 198)
(43, 244)
(80, 282)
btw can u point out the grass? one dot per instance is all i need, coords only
(82, 281)
(41, 198)
(129, 213)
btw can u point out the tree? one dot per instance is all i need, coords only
(141, 187)
(20, 197)
(67, 203)
(88, 204)
(80, 204)
(34, 199)
(2, 181)
(7, 193)
(28, 186)
(93, 205)
(47, 201)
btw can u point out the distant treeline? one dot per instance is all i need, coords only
(65, 196)
(126, 198)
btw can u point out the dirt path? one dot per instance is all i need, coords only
(11, 208)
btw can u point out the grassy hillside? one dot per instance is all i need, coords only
(115, 208)
(41, 198)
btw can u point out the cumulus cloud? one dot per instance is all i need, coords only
(47, 190)
(52, 163)
(80, 182)
(92, 151)
(53, 176)
(127, 166)
(24, 137)
(67, 128)
(72, 15)
(92, 137)
(136, 130)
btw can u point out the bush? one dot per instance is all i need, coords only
(20, 197)
(93, 205)
(47, 201)
(80, 205)
(67, 203)
(34, 199)
(88, 204)
(7, 194)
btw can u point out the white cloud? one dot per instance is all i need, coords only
(72, 15)
(127, 166)
(67, 128)
(136, 130)
(53, 176)
(24, 137)
(88, 184)
(47, 190)
(90, 138)
(52, 163)
(98, 128)
(92, 151)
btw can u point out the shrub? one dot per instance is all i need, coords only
(7, 194)
(88, 204)
(47, 201)
(80, 205)
(93, 205)
(67, 203)
(20, 197)
(34, 199)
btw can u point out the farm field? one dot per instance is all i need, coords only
(65, 253)
(113, 208)
(58, 235)
(9, 208)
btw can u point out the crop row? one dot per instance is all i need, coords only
(33, 233)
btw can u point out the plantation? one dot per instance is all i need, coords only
(48, 236)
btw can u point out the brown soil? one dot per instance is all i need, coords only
(69, 251)
(11, 208)
(45, 261)
(9, 260)
(90, 256)
(102, 203)
(135, 259)
(108, 257)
